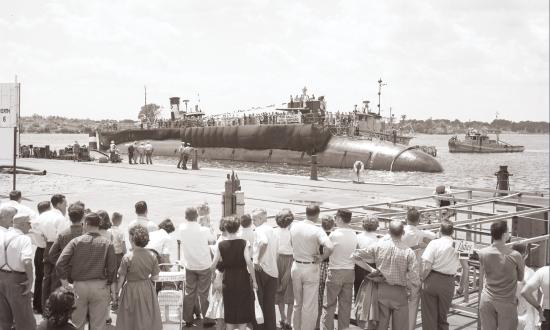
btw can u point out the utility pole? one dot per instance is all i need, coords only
(145, 88)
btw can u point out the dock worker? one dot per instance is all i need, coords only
(306, 238)
(135, 152)
(131, 151)
(141, 152)
(181, 151)
(149, 153)
(187, 154)
(112, 151)
(16, 276)
(76, 151)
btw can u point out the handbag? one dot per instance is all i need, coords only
(258, 309)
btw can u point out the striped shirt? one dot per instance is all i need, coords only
(88, 257)
(396, 261)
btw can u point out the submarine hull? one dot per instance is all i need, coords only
(290, 147)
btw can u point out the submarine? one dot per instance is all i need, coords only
(290, 136)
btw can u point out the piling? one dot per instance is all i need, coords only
(503, 181)
(313, 175)
(195, 162)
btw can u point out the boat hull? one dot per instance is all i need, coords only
(336, 151)
(458, 147)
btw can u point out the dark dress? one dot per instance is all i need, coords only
(238, 298)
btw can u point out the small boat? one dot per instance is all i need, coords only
(475, 142)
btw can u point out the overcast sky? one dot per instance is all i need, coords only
(462, 59)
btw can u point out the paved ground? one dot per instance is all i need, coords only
(168, 191)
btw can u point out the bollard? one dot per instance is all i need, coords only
(313, 175)
(503, 182)
(195, 162)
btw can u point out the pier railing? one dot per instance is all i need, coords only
(472, 210)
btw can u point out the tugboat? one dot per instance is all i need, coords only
(301, 129)
(476, 142)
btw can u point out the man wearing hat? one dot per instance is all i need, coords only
(90, 261)
(131, 150)
(76, 151)
(186, 154)
(16, 276)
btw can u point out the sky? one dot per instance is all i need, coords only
(451, 59)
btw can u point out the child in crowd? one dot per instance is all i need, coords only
(327, 222)
(58, 311)
(204, 219)
(247, 231)
(118, 238)
(284, 295)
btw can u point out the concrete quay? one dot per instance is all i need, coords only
(169, 190)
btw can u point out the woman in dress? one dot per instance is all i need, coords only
(284, 295)
(215, 308)
(237, 292)
(138, 307)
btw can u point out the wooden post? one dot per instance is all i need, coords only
(195, 162)
(313, 175)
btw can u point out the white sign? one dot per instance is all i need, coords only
(9, 105)
(464, 247)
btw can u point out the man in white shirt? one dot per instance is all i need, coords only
(439, 266)
(49, 225)
(196, 251)
(265, 265)
(539, 281)
(40, 242)
(15, 201)
(417, 240)
(141, 212)
(306, 238)
(341, 273)
(6, 218)
(159, 240)
(16, 276)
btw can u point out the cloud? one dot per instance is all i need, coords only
(440, 58)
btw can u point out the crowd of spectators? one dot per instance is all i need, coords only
(86, 267)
